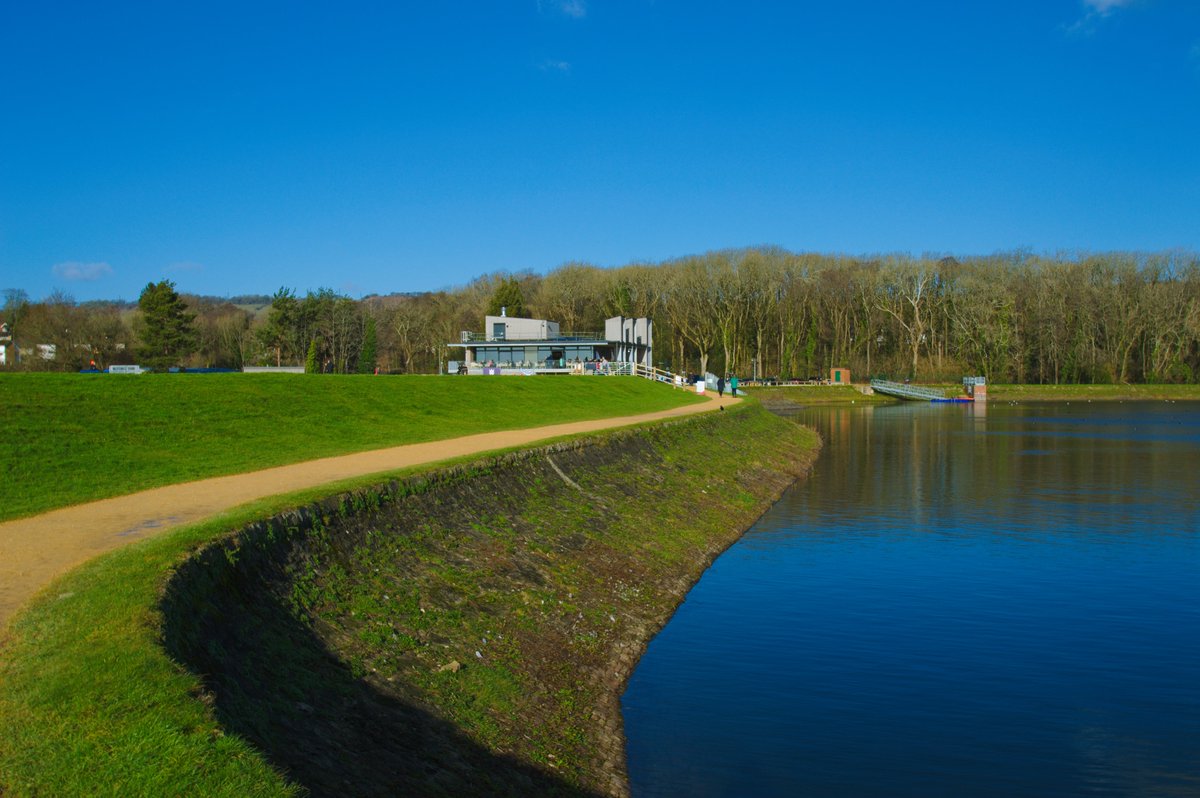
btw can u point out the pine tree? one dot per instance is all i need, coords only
(279, 332)
(508, 296)
(166, 327)
(366, 355)
(310, 361)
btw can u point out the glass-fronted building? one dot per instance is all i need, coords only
(512, 345)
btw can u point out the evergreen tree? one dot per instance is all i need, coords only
(166, 327)
(508, 296)
(810, 349)
(280, 329)
(366, 355)
(310, 361)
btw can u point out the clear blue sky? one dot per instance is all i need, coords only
(396, 146)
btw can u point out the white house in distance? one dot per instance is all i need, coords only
(537, 346)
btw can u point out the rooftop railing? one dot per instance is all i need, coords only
(469, 337)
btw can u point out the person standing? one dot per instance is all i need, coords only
(733, 385)
(720, 386)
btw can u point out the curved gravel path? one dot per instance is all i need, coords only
(35, 550)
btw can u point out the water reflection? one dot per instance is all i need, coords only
(956, 602)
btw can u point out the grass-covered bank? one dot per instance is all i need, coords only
(331, 653)
(791, 395)
(71, 438)
(1099, 393)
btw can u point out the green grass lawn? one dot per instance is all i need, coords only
(72, 438)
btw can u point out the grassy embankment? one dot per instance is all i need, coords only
(71, 438)
(1099, 393)
(830, 394)
(556, 566)
(998, 392)
(815, 395)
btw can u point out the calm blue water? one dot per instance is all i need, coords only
(958, 602)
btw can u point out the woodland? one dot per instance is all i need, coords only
(760, 312)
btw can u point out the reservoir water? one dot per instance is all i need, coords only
(959, 601)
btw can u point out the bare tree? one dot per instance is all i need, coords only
(690, 307)
(575, 295)
(905, 297)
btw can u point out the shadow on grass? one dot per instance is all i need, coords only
(274, 682)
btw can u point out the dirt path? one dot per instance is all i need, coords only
(33, 551)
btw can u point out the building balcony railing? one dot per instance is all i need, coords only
(468, 337)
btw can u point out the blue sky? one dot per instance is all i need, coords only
(378, 147)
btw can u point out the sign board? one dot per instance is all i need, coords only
(125, 370)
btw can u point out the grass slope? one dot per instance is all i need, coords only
(831, 394)
(1099, 393)
(72, 438)
(815, 395)
(91, 704)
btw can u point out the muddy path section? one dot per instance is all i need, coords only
(33, 551)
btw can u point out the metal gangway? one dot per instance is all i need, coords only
(904, 391)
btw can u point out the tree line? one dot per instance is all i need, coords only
(755, 312)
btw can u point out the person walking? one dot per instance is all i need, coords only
(720, 386)
(733, 385)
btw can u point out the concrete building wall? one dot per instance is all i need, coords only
(519, 329)
(634, 339)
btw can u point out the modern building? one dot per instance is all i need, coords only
(536, 346)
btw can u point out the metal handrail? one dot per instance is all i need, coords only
(658, 375)
(468, 337)
(907, 391)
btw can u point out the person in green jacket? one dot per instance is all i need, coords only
(733, 385)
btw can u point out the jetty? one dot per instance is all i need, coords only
(975, 389)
